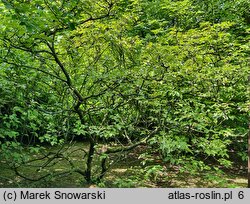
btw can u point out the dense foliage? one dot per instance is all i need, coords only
(169, 75)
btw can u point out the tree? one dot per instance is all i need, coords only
(47, 41)
(119, 74)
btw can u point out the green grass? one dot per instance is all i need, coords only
(126, 172)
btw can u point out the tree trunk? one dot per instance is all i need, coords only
(89, 162)
(104, 168)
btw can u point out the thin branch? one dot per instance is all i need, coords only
(52, 49)
(42, 177)
(91, 18)
(130, 147)
(26, 49)
(28, 178)
(34, 68)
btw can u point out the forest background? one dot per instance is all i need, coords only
(124, 93)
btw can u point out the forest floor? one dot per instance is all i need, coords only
(128, 172)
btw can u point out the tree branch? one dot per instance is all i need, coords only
(130, 147)
(34, 68)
